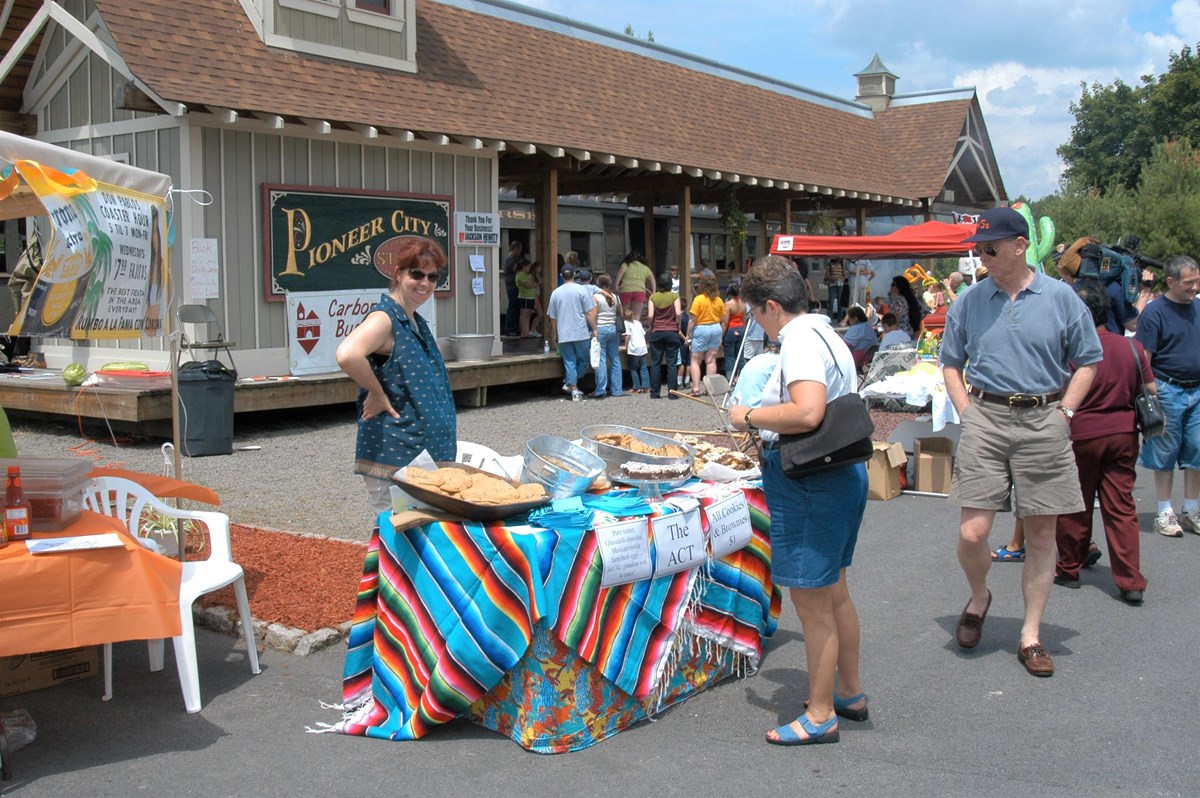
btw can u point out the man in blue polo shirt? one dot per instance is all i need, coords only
(1013, 338)
(1170, 331)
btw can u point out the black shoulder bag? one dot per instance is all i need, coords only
(843, 438)
(1146, 407)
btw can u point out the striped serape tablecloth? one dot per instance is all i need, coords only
(445, 610)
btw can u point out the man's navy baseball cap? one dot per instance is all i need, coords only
(1000, 223)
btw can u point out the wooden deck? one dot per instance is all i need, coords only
(149, 411)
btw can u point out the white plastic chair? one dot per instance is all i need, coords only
(128, 501)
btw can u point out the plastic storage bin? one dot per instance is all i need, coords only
(54, 487)
(205, 408)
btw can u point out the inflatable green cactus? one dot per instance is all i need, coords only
(1041, 236)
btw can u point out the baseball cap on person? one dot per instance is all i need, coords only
(584, 274)
(567, 272)
(999, 223)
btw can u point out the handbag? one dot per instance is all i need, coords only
(594, 353)
(843, 437)
(620, 320)
(1146, 407)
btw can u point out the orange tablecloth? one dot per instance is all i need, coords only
(81, 598)
(162, 487)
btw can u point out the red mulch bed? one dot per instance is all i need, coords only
(301, 582)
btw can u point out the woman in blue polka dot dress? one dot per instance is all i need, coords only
(405, 404)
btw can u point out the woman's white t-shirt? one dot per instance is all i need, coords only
(803, 357)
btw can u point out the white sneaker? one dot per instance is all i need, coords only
(565, 389)
(1189, 522)
(1166, 524)
(577, 396)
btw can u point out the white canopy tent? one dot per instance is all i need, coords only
(22, 201)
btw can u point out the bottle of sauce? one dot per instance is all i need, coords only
(17, 514)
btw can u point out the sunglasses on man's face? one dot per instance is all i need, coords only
(418, 276)
(987, 249)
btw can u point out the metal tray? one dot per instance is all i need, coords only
(465, 509)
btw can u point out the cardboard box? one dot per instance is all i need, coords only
(933, 460)
(883, 471)
(25, 673)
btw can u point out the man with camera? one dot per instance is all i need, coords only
(1169, 329)
(1014, 337)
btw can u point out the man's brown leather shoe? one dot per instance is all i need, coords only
(970, 626)
(1036, 660)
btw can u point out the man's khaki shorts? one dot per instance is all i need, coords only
(1029, 449)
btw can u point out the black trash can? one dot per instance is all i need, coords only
(205, 408)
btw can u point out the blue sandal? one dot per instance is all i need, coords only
(1005, 554)
(826, 732)
(842, 707)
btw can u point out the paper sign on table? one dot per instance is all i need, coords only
(108, 540)
(678, 537)
(728, 524)
(624, 551)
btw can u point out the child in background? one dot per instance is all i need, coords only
(635, 353)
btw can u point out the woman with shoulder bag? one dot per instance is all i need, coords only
(815, 518)
(1104, 436)
(608, 309)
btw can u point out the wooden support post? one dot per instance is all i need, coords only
(785, 223)
(648, 238)
(862, 221)
(547, 236)
(685, 242)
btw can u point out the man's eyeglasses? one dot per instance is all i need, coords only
(987, 249)
(418, 276)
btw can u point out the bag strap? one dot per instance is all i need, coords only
(1137, 361)
(831, 354)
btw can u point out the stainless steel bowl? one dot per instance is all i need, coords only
(614, 456)
(563, 468)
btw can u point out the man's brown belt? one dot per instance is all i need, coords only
(1021, 400)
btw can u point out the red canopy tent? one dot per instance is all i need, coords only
(927, 240)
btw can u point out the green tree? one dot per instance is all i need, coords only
(1168, 201)
(630, 32)
(1106, 143)
(1117, 126)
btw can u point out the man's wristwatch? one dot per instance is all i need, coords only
(1069, 412)
(746, 419)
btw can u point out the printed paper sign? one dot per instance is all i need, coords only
(678, 538)
(320, 320)
(624, 551)
(728, 524)
(477, 286)
(105, 271)
(203, 268)
(476, 262)
(477, 229)
(785, 243)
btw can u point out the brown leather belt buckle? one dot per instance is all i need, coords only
(1024, 401)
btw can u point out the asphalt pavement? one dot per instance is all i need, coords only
(1112, 721)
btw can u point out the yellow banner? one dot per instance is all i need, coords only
(105, 273)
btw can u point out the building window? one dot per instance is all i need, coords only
(378, 6)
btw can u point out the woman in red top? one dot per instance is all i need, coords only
(735, 328)
(1105, 439)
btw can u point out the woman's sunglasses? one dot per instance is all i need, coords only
(418, 276)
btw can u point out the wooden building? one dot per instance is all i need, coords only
(438, 102)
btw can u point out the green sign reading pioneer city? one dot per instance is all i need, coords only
(335, 239)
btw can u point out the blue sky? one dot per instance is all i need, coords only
(1025, 59)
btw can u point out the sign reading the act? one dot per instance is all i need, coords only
(325, 239)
